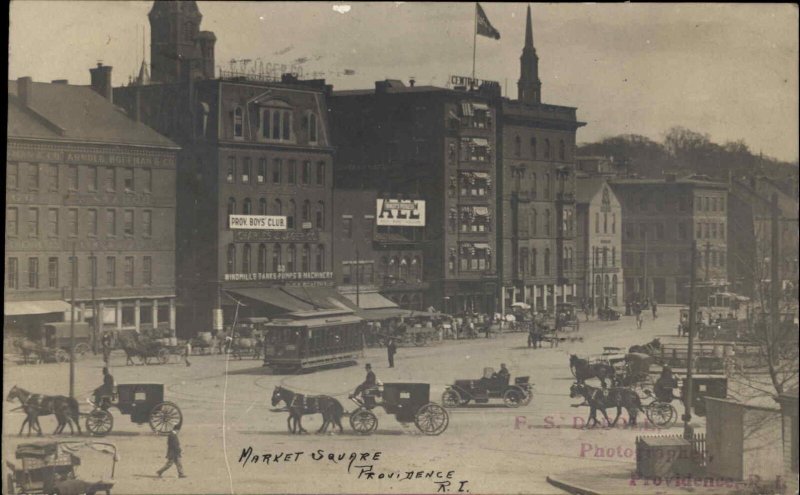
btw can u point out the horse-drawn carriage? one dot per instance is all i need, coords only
(54, 346)
(490, 386)
(567, 317)
(145, 350)
(608, 314)
(143, 402)
(50, 468)
(408, 402)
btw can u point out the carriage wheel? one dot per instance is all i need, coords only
(451, 398)
(99, 422)
(165, 417)
(81, 349)
(61, 356)
(363, 421)
(513, 397)
(660, 413)
(163, 356)
(432, 419)
(527, 398)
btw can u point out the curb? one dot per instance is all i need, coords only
(571, 488)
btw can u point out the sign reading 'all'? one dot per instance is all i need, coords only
(257, 222)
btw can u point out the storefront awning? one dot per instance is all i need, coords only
(481, 175)
(382, 314)
(481, 245)
(319, 297)
(370, 300)
(480, 106)
(16, 308)
(273, 297)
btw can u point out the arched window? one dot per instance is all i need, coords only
(277, 258)
(321, 258)
(247, 207)
(613, 223)
(533, 148)
(384, 268)
(394, 266)
(238, 122)
(451, 264)
(246, 258)
(547, 222)
(534, 185)
(547, 149)
(517, 146)
(562, 150)
(613, 256)
(547, 261)
(277, 207)
(534, 254)
(262, 258)
(321, 215)
(605, 256)
(231, 208)
(416, 268)
(306, 211)
(262, 206)
(290, 215)
(547, 186)
(523, 261)
(405, 264)
(605, 222)
(291, 258)
(231, 261)
(305, 259)
(534, 222)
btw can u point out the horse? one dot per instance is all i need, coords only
(648, 348)
(583, 370)
(596, 398)
(64, 408)
(299, 405)
(27, 347)
(132, 349)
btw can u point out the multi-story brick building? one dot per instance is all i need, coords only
(435, 145)
(598, 247)
(252, 146)
(83, 176)
(537, 192)
(660, 220)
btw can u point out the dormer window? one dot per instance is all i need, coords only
(238, 123)
(276, 123)
(311, 122)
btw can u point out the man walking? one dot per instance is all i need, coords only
(106, 343)
(654, 306)
(173, 454)
(637, 310)
(187, 351)
(391, 349)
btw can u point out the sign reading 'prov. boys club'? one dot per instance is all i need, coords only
(257, 222)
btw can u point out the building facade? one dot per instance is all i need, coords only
(660, 221)
(255, 176)
(82, 177)
(434, 145)
(598, 247)
(537, 262)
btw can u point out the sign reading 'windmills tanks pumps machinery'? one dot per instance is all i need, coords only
(401, 212)
(257, 222)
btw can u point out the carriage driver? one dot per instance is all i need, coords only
(370, 383)
(664, 385)
(104, 393)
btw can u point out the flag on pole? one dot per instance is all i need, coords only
(483, 25)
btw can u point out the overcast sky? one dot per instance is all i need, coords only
(728, 70)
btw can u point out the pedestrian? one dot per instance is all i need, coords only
(187, 351)
(654, 307)
(637, 311)
(173, 454)
(106, 343)
(391, 349)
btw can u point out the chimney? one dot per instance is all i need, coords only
(101, 81)
(59, 81)
(24, 87)
(411, 82)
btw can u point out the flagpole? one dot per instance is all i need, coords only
(474, 45)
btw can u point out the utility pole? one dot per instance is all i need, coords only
(358, 282)
(688, 431)
(646, 285)
(73, 266)
(774, 282)
(95, 322)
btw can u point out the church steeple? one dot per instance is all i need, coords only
(529, 87)
(174, 38)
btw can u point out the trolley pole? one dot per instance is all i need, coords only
(358, 282)
(73, 266)
(688, 431)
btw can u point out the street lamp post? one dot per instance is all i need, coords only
(688, 431)
(73, 266)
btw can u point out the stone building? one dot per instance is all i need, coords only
(83, 176)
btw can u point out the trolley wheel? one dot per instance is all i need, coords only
(432, 419)
(363, 421)
(163, 355)
(81, 349)
(99, 422)
(660, 413)
(451, 398)
(165, 417)
(513, 397)
(61, 356)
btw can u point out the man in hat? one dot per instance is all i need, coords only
(104, 393)
(503, 373)
(370, 382)
(391, 349)
(664, 385)
(173, 454)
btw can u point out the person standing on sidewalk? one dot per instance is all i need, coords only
(654, 307)
(106, 343)
(187, 351)
(173, 454)
(391, 349)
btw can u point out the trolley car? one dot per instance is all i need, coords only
(332, 338)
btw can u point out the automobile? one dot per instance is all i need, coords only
(490, 386)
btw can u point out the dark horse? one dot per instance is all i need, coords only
(596, 398)
(65, 410)
(299, 405)
(648, 348)
(583, 370)
(27, 348)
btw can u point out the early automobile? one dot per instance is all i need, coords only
(490, 386)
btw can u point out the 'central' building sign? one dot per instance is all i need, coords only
(257, 222)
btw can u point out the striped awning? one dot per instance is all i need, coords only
(17, 308)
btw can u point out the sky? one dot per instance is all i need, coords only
(728, 70)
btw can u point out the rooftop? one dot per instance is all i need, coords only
(586, 189)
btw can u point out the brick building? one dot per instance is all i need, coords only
(82, 175)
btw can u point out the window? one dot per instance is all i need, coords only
(52, 178)
(246, 258)
(111, 179)
(291, 258)
(605, 223)
(91, 180)
(286, 125)
(33, 222)
(12, 273)
(231, 259)
(533, 148)
(547, 261)
(347, 227)
(12, 176)
(534, 261)
(305, 258)
(713, 230)
(238, 123)
(613, 223)
(262, 206)
(706, 201)
(52, 273)
(111, 271)
(72, 178)
(320, 173)
(261, 264)
(278, 207)
(613, 256)
(147, 223)
(93, 271)
(682, 231)
(321, 258)
(642, 231)
(276, 258)
(231, 208)
(230, 176)
(547, 222)
(147, 270)
(148, 179)
(33, 176)
(129, 271)
(306, 212)
(276, 123)
(277, 166)
(247, 207)
(127, 180)
(52, 222)
(128, 222)
(722, 231)
(246, 170)
(111, 222)
(291, 214)
(722, 259)
(699, 233)
(312, 127)
(72, 222)
(562, 150)
(547, 186)
(261, 178)
(321, 215)
(291, 172)
(73, 271)
(546, 149)
(474, 219)
(33, 273)
(306, 174)
(721, 204)
(475, 149)
(12, 221)
(517, 146)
